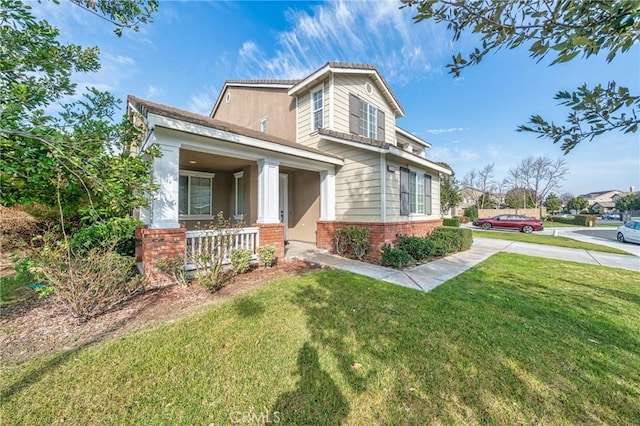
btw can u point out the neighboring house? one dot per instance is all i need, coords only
(605, 201)
(469, 196)
(297, 159)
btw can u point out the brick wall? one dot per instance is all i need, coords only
(154, 244)
(379, 233)
(272, 234)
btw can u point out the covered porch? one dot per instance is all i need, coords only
(275, 190)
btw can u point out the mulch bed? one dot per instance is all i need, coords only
(41, 327)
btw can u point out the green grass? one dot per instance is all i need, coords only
(14, 289)
(510, 341)
(548, 240)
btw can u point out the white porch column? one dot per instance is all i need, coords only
(328, 195)
(166, 172)
(268, 191)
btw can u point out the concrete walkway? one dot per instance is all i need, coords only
(430, 275)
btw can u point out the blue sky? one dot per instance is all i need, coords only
(183, 58)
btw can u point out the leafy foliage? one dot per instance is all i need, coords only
(564, 30)
(453, 221)
(394, 257)
(81, 160)
(577, 203)
(585, 219)
(449, 193)
(418, 248)
(352, 241)
(459, 239)
(115, 232)
(241, 261)
(471, 212)
(552, 202)
(267, 256)
(629, 202)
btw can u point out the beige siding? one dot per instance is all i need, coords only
(248, 105)
(306, 135)
(393, 194)
(357, 183)
(346, 84)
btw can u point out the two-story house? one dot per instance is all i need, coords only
(297, 159)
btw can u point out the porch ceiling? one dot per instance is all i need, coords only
(203, 161)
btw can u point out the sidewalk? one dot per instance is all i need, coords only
(430, 275)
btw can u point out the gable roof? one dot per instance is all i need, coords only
(350, 68)
(260, 83)
(412, 137)
(145, 107)
(600, 193)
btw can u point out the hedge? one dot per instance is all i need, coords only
(454, 221)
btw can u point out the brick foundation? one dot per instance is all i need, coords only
(272, 234)
(154, 244)
(379, 233)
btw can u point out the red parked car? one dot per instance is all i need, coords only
(525, 224)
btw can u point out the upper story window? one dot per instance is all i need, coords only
(263, 125)
(194, 193)
(365, 119)
(317, 109)
(367, 126)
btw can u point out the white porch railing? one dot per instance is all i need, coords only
(202, 246)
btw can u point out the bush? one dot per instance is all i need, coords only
(267, 256)
(174, 268)
(453, 222)
(471, 212)
(456, 239)
(115, 232)
(419, 248)
(585, 219)
(88, 284)
(394, 257)
(241, 261)
(352, 241)
(566, 220)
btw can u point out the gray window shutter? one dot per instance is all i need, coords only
(427, 194)
(404, 192)
(354, 113)
(380, 126)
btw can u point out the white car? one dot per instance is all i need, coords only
(629, 232)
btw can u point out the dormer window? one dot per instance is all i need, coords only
(317, 109)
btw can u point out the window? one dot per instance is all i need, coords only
(415, 192)
(365, 119)
(368, 121)
(194, 196)
(263, 125)
(316, 110)
(239, 192)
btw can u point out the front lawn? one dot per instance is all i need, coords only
(547, 240)
(515, 340)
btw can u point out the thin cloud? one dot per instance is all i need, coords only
(152, 92)
(355, 31)
(449, 130)
(202, 102)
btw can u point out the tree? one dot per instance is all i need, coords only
(540, 175)
(563, 29)
(449, 193)
(483, 182)
(81, 160)
(487, 201)
(519, 198)
(629, 202)
(578, 204)
(565, 197)
(552, 202)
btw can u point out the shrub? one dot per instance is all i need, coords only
(457, 239)
(453, 221)
(88, 284)
(394, 257)
(352, 241)
(116, 232)
(418, 248)
(585, 219)
(241, 261)
(566, 220)
(267, 256)
(174, 268)
(471, 212)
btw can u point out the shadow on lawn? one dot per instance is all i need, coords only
(483, 348)
(316, 399)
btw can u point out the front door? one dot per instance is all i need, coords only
(283, 192)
